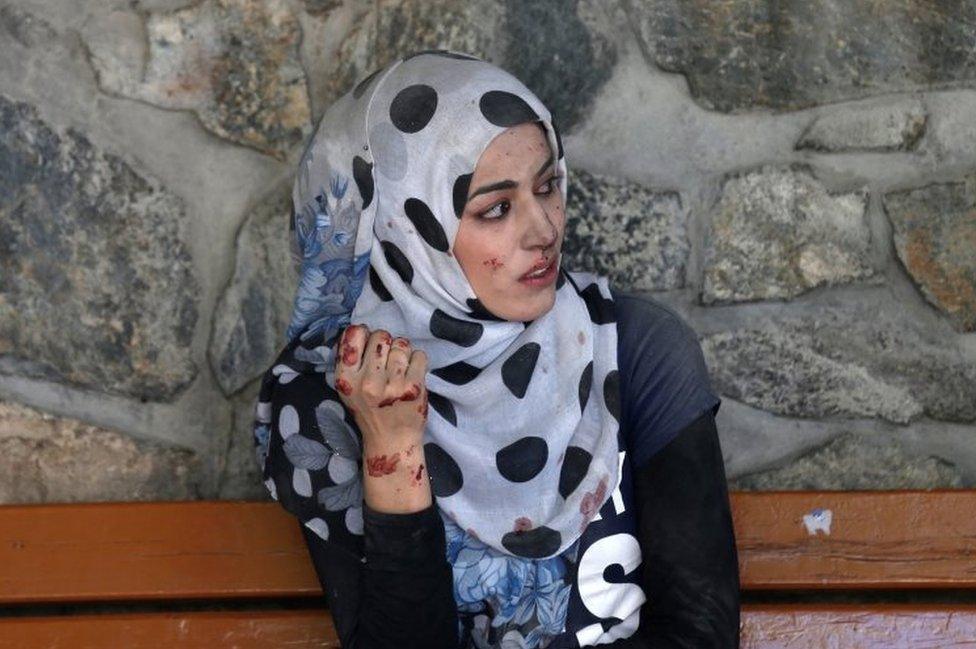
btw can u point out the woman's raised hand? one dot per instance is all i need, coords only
(381, 380)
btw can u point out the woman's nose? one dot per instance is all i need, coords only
(540, 231)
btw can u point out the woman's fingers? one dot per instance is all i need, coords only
(377, 350)
(417, 376)
(398, 359)
(374, 365)
(351, 346)
(417, 369)
(349, 361)
(375, 370)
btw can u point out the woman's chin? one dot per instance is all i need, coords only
(524, 309)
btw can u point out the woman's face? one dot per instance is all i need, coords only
(511, 230)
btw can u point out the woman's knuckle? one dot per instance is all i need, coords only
(356, 330)
(372, 389)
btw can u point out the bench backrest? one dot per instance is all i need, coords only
(235, 551)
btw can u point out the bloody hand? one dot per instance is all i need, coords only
(381, 380)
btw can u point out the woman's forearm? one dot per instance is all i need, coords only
(402, 595)
(381, 380)
(395, 479)
(408, 595)
(690, 564)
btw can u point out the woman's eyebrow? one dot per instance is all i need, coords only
(508, 184)
(504, 184)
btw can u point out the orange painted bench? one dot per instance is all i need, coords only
(213, 574)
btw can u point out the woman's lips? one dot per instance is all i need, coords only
(536, 278)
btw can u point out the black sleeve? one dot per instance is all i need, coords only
(402, 595)
(690, 564)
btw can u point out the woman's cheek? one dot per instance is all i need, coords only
(560, 216)
(493, 263)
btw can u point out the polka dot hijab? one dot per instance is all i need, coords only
(521, 441)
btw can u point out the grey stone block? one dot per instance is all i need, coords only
(783, 372)
(632, 234)
(253, 312)
(776, 232)
(234, 63)
(96, 282)
(545, 43)
(746, 54)
(52, 459)
(935, 237)
(392, 29)
(552, 49)
(844, 362)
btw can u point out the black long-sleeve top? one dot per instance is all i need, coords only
(401, 594)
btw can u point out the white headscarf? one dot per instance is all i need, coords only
(521, 444)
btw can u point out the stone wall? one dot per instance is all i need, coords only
(797, 179)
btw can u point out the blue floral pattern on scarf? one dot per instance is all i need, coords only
(527, 597)
(331, 276)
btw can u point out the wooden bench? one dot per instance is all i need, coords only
(237, 574)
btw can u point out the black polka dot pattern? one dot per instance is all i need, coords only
(426, 224)
(397, 261)
(413, 107)
(575, 465)
(505, 109)
(443, 407)
(360, 88)
(560, 279)
(585, 383)
(459, 373)
(462, 185)
(611, 393)
(362, 173)
(377, 285)
(600, 308)
(479, 312)
(460, 332)
(445, 474)
(522, 460)
(517, 368)
(533, 544)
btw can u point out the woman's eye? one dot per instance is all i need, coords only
(550, 185)
(496, 211)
